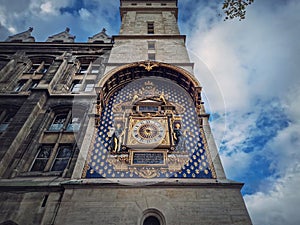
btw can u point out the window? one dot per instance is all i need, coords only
(26, 85)
(34, 68)
(151, 56)
(62, 158)
(39, 67)
(58, 122)
(89, 87)
(65, 122)
(74, 124)
(50, 158)
(83, 69)
(8, 222)
(148, 4)
(33, 84)
(42, 158)
(5, 122)
(95, 69)
(20, 85)
(44, 69)
(153, 217)
(150, 27)
(76, 85)
(6, 117)
(151, 220)
(151, 45)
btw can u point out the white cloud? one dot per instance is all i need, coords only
(51, 17)
(85, 14)
(253, 68)
(12, 30)
(47, 8)
(277, 206)
(255, 58)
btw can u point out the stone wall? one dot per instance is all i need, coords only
(183, 205)
(31, 207)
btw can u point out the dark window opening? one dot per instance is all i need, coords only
(8, 222)
(151, 45)
(47, 152)
(20, 85)
(42, 158)
(76, 85)
(5, 122)
(83, 69)
(44, 69)
(58, 122)
(151, 56)
(150, 27)
(62, 158)
(6, 117)
(33, 84)
(45, 201)
(39, 67)
(151, 220)
(34, 68)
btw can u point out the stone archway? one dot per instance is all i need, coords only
(8, 222)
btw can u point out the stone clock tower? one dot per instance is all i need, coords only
(146, 158)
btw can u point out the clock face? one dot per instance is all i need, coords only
(148, 132)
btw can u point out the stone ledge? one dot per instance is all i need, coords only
(159, 183)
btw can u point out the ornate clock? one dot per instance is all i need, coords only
(148, 132)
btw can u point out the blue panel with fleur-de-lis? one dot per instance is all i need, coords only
(198, 162)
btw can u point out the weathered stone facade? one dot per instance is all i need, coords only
(37, 82)
(56, 123)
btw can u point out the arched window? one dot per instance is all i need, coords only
(153, 217)
(8, 222)
(151, 220)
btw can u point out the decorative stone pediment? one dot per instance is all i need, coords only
(22, 37)
(101, 37)
(64, 37)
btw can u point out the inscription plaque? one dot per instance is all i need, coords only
(148, 158)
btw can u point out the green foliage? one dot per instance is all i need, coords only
(235, 8)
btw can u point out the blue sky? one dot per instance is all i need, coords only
(249, 72)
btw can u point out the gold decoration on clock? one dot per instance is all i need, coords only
(147, 136)
(149, 65)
